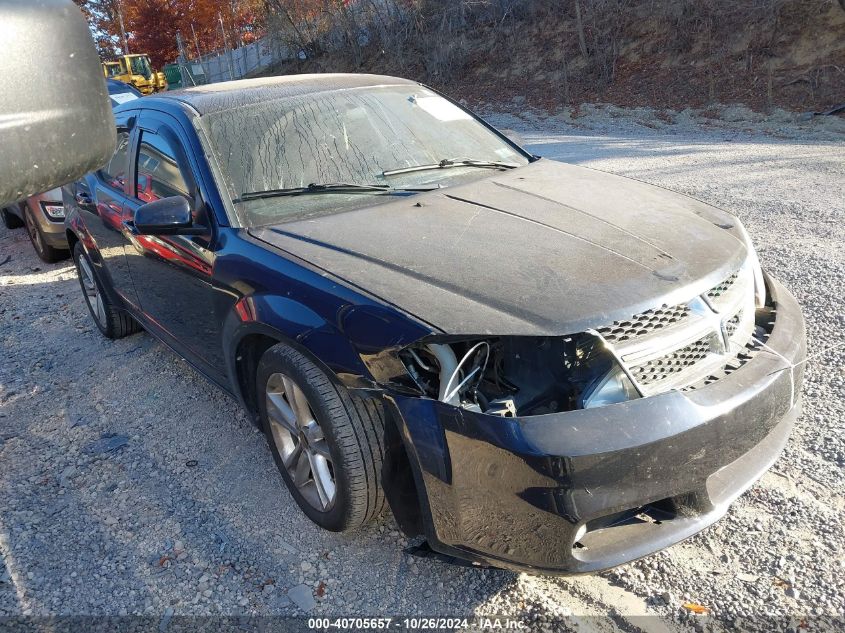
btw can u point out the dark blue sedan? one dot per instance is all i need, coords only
(535, 365)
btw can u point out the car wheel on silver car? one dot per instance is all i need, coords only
(326, 441)
(110, 320)
(45, 252)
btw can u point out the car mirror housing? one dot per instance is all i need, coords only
(55, 112)
(168, 216)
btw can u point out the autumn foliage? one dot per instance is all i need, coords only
(151, 25)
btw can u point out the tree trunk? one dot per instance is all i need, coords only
(565, 79)
(579, 23)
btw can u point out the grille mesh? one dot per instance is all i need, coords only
(644, 323)
(686, 366)
(750, 351)
(661, 368)
(732, 324)
(722, 288)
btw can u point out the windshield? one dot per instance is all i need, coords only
(351, 137)
(141, 66)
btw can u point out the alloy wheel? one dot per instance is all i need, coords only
(92, 291)
(300, 442)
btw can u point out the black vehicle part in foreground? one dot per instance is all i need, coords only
(56, 121)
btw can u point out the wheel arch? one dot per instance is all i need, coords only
(75, 231)
(246, 355)
(400, 479)
(72, 239)
(249, 344)
(336, 336)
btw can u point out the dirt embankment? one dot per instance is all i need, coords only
(661, 53)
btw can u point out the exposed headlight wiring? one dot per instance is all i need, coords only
(508, 376)
(478, 368)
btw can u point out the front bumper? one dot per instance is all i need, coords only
(639, 475)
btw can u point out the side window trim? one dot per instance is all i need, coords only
(176, 149)
(185, 149)
(204, 187)
(175, 145)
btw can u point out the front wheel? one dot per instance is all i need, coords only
(111, 321)
(45, 252)
(327, 443)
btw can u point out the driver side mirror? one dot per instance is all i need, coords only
(168, 216)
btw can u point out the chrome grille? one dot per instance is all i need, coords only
(644, 323)
(722, 288)
(677, 361)
(732, 324)
(676, 347)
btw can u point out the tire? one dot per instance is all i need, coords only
(10, 220)
(113, 322)
(350, 433)
(45, 252)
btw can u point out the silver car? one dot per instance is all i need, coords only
(43, 215)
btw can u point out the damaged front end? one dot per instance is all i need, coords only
(669, 347)
(576, 453)
(514, 375)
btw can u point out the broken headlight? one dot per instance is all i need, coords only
(517, 375)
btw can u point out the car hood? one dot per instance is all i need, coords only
(546, 249)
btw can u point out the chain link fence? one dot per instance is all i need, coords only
(227, 65)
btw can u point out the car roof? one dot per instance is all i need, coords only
(233, 94)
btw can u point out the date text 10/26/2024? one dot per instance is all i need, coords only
(419, 623)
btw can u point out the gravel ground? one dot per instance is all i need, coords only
(129, 485)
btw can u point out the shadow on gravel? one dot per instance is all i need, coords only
(131, 485)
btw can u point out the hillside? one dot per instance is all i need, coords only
(661, 53)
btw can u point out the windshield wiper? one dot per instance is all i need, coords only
(447, 162)
(335, 187)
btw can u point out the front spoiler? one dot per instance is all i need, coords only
(513, 492)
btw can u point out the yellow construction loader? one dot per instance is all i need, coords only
(136, 71)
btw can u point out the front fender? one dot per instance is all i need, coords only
(339, 346)
(293, 323)
(272, 295)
